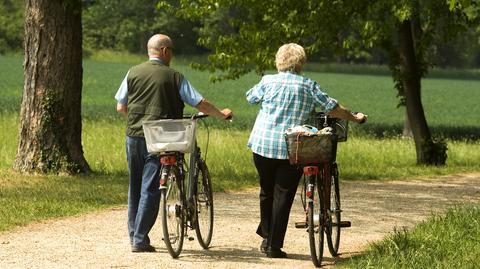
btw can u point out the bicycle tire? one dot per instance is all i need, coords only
(172, 212)
(315, 224)
(333, 224)
(203, 205)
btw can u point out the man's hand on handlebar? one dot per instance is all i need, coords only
(228, 114)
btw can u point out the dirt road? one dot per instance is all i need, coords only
(99, 240)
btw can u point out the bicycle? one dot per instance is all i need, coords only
(184, 204)
(320, 195)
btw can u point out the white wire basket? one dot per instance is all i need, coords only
(169, 135)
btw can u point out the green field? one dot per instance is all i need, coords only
(374, 150)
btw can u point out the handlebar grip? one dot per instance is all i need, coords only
(200, 115)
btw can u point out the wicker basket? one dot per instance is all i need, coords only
(309, 149)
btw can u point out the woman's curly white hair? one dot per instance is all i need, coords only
(289, 56)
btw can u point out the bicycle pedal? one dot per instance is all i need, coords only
(301, 225)
(345, 224)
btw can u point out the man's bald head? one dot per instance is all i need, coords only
(156, 43)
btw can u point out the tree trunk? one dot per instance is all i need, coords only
(427, 151)
(50, 116)
(407, 129)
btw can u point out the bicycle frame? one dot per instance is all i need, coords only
(323, 181)
(177, 159)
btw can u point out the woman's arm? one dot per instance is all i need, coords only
(342, 113)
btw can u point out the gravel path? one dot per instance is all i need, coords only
(99, 240)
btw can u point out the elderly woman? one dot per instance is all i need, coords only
(287, 99)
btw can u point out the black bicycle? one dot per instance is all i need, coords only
(186, 201)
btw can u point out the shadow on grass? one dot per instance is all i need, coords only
(382, 70)
(456, 133)
(349, 258)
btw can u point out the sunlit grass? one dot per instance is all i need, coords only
(9, 123)
(104, 147)
(27, 198)
(368, 158)
(449, 240)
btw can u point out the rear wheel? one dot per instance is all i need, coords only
(315, 223)
(172, 212)
(333, 226)
(204, 205)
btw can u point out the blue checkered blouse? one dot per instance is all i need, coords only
(286, 99)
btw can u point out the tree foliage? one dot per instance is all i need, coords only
(244, 34)
(124, 26)
(433, 23)
(11, 25)
(127, 26)
(260, 27)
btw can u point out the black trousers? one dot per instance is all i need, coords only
(278, 185)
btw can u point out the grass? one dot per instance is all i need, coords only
(26, 198)
(450, 240)
(373, 151)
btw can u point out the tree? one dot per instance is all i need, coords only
(50, 117)
(405, 29)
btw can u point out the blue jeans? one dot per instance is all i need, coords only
(143, 193)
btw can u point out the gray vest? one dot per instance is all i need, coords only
(153, 93)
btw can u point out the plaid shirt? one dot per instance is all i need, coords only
(286, 99)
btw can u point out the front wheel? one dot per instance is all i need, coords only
(172, 212)
(315, 221)
(333, 222)
(203, 205)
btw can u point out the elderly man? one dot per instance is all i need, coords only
(151, 91)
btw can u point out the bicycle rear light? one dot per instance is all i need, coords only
(310, 170)
(309, 194)
(168, 160)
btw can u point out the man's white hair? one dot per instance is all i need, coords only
(156, 42)
(289, 56)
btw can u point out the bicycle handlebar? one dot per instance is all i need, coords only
(195, 116)
(201, 115)
(326, 116)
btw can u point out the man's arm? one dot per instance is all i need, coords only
(343, 113)
(209, 109)
(122, 109)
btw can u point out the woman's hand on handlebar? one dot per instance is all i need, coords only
(360, 117)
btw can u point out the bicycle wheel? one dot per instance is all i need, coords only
(172, 212)
(203, 205)
(315, 223)
(333, 226)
